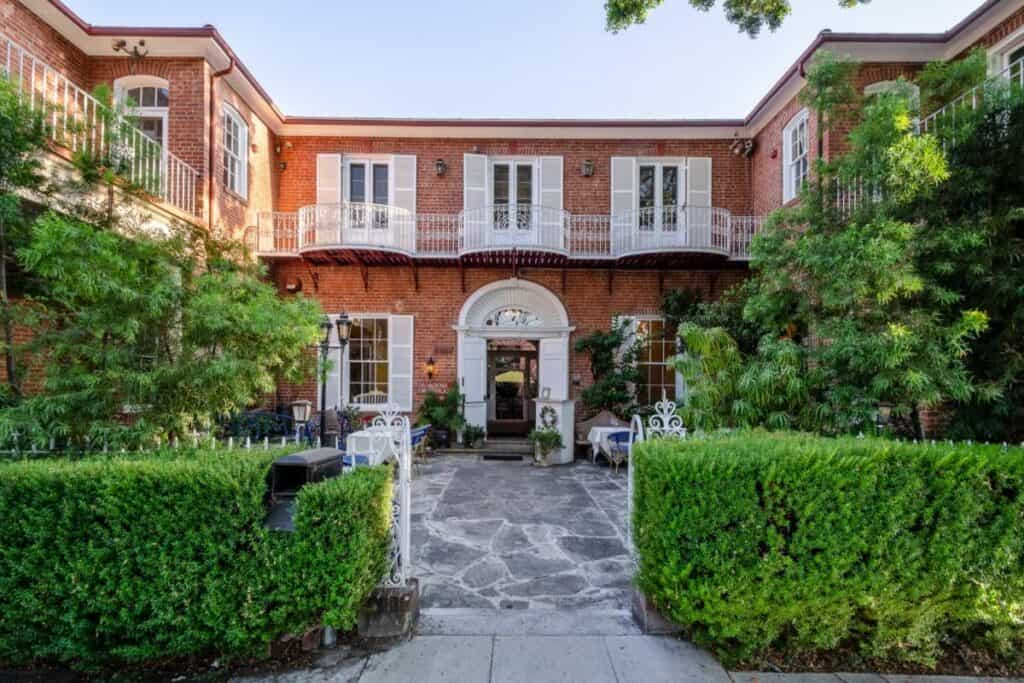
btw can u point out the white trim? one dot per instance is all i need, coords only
(789, 187)
(242, 157)
(999, 54)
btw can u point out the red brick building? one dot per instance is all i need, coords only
(468, 251)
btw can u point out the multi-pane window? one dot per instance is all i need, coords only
(148, 96)
(236, 147)
(657, 377)
(658, 195)
(147, 105)
(512, 193)
(1016, 66)
(368, 362)
(795, 160)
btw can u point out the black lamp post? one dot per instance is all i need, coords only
(344, 325)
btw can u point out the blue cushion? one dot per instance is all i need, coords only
(360, 460)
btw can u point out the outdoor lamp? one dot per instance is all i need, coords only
(344, 324)
(431, 368)
(440, 166)
(883, 416)
(587, 168)
(301, 411)
(325, 327)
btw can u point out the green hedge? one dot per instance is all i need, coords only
(135, 558)
(796, 543)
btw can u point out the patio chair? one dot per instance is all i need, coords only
(620, 443)
(602, 419)
(420, 440)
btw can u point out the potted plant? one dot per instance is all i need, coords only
(472, 436)
(545, 442)
(444, 414)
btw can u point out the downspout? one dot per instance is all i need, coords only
(213, 139)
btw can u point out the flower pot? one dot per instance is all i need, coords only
(440, 437)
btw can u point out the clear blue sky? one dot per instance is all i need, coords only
(518, 58)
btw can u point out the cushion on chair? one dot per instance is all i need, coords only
(602, 419)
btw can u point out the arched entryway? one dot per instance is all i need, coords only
(508, 311)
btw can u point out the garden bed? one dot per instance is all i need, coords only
(792, 550)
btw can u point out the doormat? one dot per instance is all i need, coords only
(502, 456)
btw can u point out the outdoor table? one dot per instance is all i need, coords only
(598, 438)
(371, 443)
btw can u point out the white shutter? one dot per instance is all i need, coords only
(400, 361)
(474, 180)
(551, 182)
(328, 178)
(334, 374)
(473, 378)
(698, 182)
(623, 201)
(698, 201)
(404, 185)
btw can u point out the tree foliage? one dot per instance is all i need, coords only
(613, 355)
(845, 295)
(141, 335)
(750, 16)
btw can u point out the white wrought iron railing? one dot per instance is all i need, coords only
(82, 124)
(439, 235)
(357, 224)
(947, 117)
(684, 228)
(526, 225)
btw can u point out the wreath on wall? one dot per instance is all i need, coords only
(548, 417)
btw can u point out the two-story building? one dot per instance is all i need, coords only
(465, 251)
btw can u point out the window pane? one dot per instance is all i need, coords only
(669, 186)
(149, 97)
(134, 96)
(380, 184)
(162, 97)
(646, 186)
(356, 193)
(153, 128)
(501, 172)
(1016, 55)
(524, 184)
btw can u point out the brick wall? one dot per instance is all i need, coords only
(25, 28)
(730, 181)
(233, 213)
(437, 304)
(1010, 25)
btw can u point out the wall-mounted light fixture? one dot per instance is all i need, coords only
(587, 168)
(293, 284)
(139, 50)
(441, 167)
(431, 367)
(283, 165)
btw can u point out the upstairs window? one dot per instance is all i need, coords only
(236, 151)
(795, 162)
(146, 99)
(1007, 57)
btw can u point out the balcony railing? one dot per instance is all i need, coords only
(496, 228)
(947, 117)
(79, 122)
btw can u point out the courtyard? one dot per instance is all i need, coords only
(508, 535)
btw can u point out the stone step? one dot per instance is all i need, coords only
(534, 622)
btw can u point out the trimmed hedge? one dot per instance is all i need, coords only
(128, 559)
(793, 544)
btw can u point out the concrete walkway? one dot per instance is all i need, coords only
(563, 659)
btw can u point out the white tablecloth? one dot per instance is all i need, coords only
(372, 442)
(598, 438)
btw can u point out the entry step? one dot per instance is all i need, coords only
(534, 622)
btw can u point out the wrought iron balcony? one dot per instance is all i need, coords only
(540, 235)
(79, 122)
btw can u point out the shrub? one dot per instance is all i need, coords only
(132, 558)
(796, 543)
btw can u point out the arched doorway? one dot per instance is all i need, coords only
(510, 317)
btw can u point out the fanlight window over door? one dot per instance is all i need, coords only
(513, 317)
(512, 189)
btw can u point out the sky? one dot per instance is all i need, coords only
(515, 58)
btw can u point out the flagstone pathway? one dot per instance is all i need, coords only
(508, 535)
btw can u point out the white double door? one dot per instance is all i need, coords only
(513, 193)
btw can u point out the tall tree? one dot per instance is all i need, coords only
(751, 16)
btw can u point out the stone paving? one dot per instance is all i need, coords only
(508, 535)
